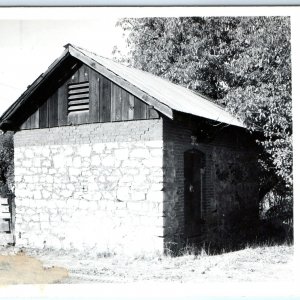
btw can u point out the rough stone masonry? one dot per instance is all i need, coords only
(90, 187)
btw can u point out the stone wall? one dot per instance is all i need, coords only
(90, 187)
(230, 179)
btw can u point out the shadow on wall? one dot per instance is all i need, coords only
(241, 231)
(242, 228)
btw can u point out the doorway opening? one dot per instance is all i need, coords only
(194, 169)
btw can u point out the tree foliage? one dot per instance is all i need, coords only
(243, 63)
(6, 164)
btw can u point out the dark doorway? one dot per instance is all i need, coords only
(193, 192)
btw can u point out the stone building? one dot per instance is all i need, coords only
(110, 158)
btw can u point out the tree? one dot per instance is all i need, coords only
(243, 63)
(263, 96)
(6, 164)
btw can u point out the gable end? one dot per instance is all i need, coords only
(87, 97)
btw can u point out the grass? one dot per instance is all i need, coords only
(254, 263)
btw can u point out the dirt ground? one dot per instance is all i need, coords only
(21, 269)
(46, 266)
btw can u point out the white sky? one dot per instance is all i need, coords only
(28, 47)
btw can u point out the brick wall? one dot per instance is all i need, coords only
(90, 187)
(230, 179)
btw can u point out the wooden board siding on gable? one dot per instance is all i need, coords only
(108, 102)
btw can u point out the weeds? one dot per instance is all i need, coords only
(193, 250)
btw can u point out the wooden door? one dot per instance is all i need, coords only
(193, 192)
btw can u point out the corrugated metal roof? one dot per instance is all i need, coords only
(174, 96)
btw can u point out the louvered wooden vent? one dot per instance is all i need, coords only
(78, 97)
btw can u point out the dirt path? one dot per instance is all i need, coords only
(21, 269)
(260, 264)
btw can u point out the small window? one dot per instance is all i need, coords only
(78, 97)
